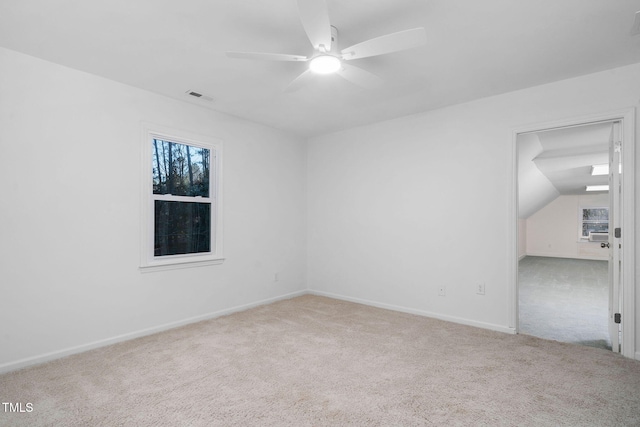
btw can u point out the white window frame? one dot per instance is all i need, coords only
(148, 260)
(581, 221)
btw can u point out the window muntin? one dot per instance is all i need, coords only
(593, 220)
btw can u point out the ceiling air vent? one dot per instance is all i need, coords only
(199, 95)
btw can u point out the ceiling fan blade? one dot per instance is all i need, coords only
(636, 25)
(315, 20)
(299, 81)
(359, 77)
(266, 56)
(394, 42)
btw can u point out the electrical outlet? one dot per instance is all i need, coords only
(442, 290)
(275, 277)
(480, 289)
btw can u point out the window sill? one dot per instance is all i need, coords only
(173, 265)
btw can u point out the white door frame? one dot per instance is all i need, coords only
(627, 118)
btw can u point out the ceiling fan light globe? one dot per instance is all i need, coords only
(325, 64)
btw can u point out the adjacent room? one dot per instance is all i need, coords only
(564, 242)
(315, 212)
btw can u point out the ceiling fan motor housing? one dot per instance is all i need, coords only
(327, 61)
(334, 41)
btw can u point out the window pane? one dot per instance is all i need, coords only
(182, 228)
(599, 214)
(596, 227)
(180, 169)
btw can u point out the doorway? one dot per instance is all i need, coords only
(560, 157)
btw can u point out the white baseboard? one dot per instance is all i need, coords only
(46, 357)
(563, 255)
(460, 320)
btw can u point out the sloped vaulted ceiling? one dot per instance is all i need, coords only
(558, 162)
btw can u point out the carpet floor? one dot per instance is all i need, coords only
(565, 300)
(315, 361)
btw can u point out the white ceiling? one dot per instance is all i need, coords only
(569, 154)
(559, 162)
(474, 49)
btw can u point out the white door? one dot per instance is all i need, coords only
(615, 237)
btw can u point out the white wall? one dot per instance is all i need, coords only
(522, 238)
(70, 165)
(553, 230)
(397, 209)
(534, 188)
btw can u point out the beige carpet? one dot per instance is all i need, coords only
(314, 361)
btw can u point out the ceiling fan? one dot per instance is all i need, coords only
(327, 58)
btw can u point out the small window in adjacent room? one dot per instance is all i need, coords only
(181, 223)
(593, 220)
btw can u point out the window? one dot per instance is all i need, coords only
(182, 224)
(593, 220)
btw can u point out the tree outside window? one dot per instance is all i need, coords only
(181, 226)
